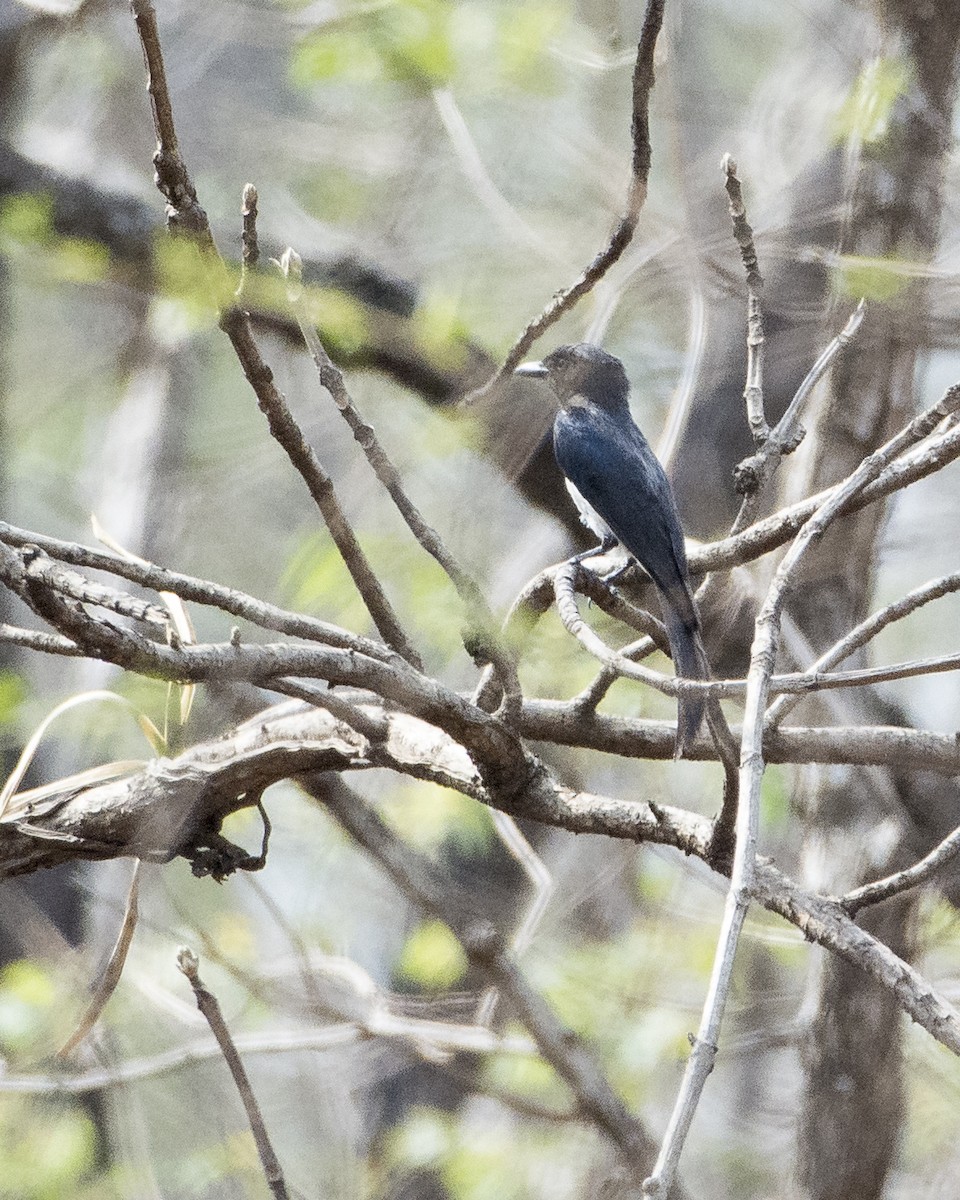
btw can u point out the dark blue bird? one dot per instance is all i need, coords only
(624, 496)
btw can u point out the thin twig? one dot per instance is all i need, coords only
(589, 699)
(374, 728)
(482, 635)
(902, 881)
(418, 878)
(250, 244)
(785, 431)
(199, 591)
(753, 391)
(85, 591)
(185, 214)
(563, 582)
(286, 431)
(762, 657)
(45, 643)
(447, 1038)
(183, 209)
(563, 301)
(752, 475)
(207, 1003)
(865, 632)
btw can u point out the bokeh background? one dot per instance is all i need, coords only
(445, 166)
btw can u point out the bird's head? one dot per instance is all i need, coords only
(583, 373)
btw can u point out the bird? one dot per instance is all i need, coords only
(623, 495)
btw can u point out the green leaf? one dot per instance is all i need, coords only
(866, 112)
(432, 957)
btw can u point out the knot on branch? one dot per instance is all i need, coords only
(213, 854)
(476, 642)
(482, 941)
(508, 781)
(748, 475)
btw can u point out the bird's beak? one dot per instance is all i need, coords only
(535, 369)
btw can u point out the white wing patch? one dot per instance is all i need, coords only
(589, 515)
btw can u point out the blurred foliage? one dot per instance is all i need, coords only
(432, 958)
(498, 1159)
(338, 127)
(879, 279)
(431, 818)
(13, 692)
(26, 226)
(232, 1162)
(47, 1151)
(28, 1009)
(434, 43)
(867, 111)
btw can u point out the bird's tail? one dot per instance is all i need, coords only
(689, 662)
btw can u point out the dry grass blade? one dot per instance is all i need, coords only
(114, 968)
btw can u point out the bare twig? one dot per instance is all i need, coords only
(762, 657)
(207, 1003)
(785, 432)
(288, 433)
(563, 723)
(445, 1036)
(482, 639)
(418, 878)
(902, 881)
(778, 529)
(563, 581)
(863, 633)
(753, 391)
(622, 235)
(589, 699)
(752, 475)
(85, 591)
(183, 210)
(32, 639)
(185, 214)
(249, 241)
(198, 591)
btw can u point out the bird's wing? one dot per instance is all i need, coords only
(612, 466)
